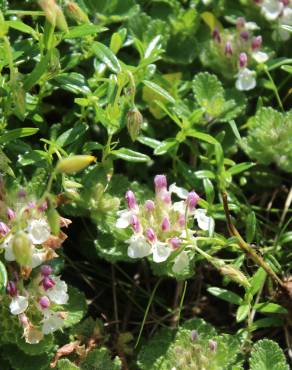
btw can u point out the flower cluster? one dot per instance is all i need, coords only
(238, 49)
(160, 226)
(279, 12)
(34, 293)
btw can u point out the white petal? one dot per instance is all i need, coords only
(58, 294)
(180, 192)
(52, 322)
(260, 56)
(179, 206)
(38, 257)
(139, 247)
(204, 222)
(18, 305)
(38, 231)
(181, 262)
(272, 9)
(124, 220)
(32, 335)
(161, 252)
(251, 26)
(245, 80)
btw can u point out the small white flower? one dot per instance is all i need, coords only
(260, 56)
(38, 257)
(18, 305)
(245, 80)
(52, 321)
(161, 251)
(180, 262)
(285, 19)
(272, 9)
(58, 294)
(204, 222)
(251, 26)
(38, 231)
(124, 219)
(180, 192)
(138, 247)
(7, 246)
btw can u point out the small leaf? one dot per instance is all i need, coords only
(83, 30)
(73, 82)
(267, 307)
(130, 155)
(20, 26)
(3, 277)
(226, 295)
(240, 167)
(257, 281)
(159, 90)
(17, 133)
(202, 136)
(242, 312)
(165, 146)
(105, 55)
(251, 223)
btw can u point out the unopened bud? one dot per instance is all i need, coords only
(165, 225)
(75, 163)
(212, 344)
(181, 220)
(194, 335)
(228, 49)
(149, 205)
(48, 283)
(134, 122)
(151, 235)
(256, 42)
(44, 302)
(244, 35)
(240, 23)
(22, 248)
(131, 200)
(46, 270)
(242, 60)
(11, 289)
(192, 200)
(4, 229)
(76, 12)
(216, 35)
(175, 242)
(135, 223)
(10, 214)
(160, 182)
(234, 274)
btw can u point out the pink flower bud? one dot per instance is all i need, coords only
(285, 2)
(212, 345)
(192, 200)
(242, 60)
(150, 235)
(4, 229)
(240, 23)
(165, 225)
(31, 205)
(11, 289)
(166, 197)
(175, 242)
(244, 35)
(228, 49)
(46, 270)
(21, 193)
(135, 223)
(181, 220)
(47, 283)
(216, 35)
(131, 200)
(23, 320)
(10, 214)
(43, 207)
(160, 182)
(149, 205)
(256, 42)
(44, 302)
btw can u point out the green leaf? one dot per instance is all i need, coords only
(17, 133)
(202, 136)
(257, 281)
(65, 364)
(268, 322)
(240, 167)
(148, 141)
(84, 30)
(159, 90)
(226, 295)
(130, 155)
(100, 359)
(267, 355)
(105, 55)
(267, 307)
(242, 312)
(70, 136)
(165, 146)
(20, 26)
(3, 277)
(72, 82)
(251, 224)
(32, 157)
(46, 345)
(76, 307)
(21, 361)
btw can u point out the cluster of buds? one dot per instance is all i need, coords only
(35, 294)
(280, 12)
(160, 226)
(238, 49)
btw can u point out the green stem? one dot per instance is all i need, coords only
(146, 312)
(274, 89)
